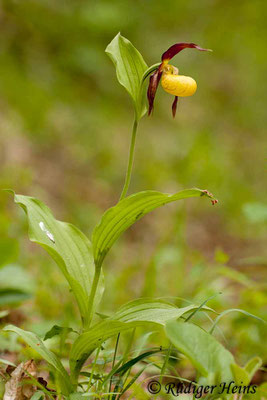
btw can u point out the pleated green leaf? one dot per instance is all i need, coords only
(130, 67)
(37, 344)
(210, 358)
(87, 342)
(68, 246)
(124, 214)
(135, 313)
(151, 310)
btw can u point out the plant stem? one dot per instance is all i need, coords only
(164, 366)
(114, 360)
(93, 368)
(130, 161)
(89, 316)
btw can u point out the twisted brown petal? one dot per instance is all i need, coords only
(176, 48)
(174, 106)
(152, 88)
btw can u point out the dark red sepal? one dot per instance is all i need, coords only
(176, 48)
(152, 88)
(174, 106)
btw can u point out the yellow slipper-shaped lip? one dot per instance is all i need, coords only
(178, 85)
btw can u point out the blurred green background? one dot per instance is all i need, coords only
(64, 135)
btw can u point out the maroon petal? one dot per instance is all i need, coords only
(152, 88)
(174, 106)
(176, 48)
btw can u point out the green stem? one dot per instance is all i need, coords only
(130, 161)
(114, 360)
(93, 368)
(164, 366)
(88, 320)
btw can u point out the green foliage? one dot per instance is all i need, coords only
(76, 396)
(130, 67)
(243, 376)
(73, 253)
(37, 344)
(234, 310)
(151, 310)
(57, 330)
(252, 366)
(209, 357)
(39, 395)
(69, 247)
(137, 313)
(120, 217)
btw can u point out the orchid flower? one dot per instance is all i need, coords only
(171, 81)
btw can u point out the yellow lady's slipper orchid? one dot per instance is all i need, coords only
(171, 81)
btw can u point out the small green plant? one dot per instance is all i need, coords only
(81, 262)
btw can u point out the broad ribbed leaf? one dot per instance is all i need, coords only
(37, 344)
(124, 214)
(151, 310)
(90, 340)
(130, 67)
(209, 356)
(67, 245)
(136, 313)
